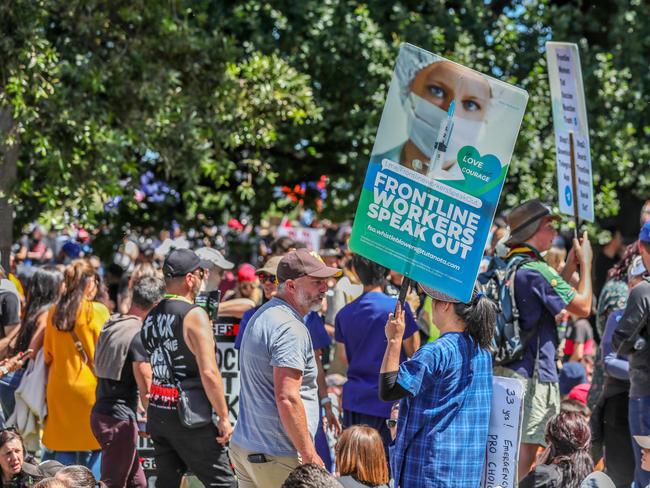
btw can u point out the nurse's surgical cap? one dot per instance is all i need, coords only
(411, 60)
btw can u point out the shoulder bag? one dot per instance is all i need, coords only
(82, 352)
(194, 407)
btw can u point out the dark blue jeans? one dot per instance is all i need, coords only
(91, 459)
(639, 417)
(619, 455)
(322, 447)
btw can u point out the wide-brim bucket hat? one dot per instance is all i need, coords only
(525, 219)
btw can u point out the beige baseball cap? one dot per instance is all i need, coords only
(215, 257)
(271, 266)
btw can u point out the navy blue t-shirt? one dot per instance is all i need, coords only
(541, 294)
(360, 327)
(313, 321)
(242, 325)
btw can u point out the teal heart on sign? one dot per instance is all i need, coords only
(482, 173)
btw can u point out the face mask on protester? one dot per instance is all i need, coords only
(424, 120)
(207, 286)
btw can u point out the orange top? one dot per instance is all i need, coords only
(71, 383)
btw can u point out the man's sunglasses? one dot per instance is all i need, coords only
(264, 277)
(391, 423)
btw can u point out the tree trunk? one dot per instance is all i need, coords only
(8, 170)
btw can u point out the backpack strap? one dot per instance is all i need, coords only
(516, 262)
(523, 260)
(513, 266)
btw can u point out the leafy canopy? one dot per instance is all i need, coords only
(218, 102)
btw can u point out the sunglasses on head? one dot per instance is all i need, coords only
(264, 277)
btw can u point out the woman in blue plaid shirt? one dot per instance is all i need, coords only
(446, 390)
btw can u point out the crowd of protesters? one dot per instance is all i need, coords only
(341, 384)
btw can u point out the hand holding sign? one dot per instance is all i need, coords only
(396, 324)
(583, 251)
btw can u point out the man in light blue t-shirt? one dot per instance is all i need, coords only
(278, 405)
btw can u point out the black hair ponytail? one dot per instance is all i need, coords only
(479, 315)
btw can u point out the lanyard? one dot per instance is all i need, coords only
(172, 296)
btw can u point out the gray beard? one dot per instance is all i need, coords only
(312, 308)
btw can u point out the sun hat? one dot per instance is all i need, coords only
(525, 219)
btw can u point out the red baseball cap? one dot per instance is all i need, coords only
(246, 273)
(303, 262)
(580, 393)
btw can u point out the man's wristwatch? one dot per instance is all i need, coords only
(324, 401)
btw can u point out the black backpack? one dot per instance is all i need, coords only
(498, 284)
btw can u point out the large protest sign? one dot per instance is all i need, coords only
(504, 433)
(575, 187)
(440, 158)
(146, 456)
(225, 330)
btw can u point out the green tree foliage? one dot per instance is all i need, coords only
(232, 98)
(97, 87)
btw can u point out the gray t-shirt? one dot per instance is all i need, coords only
(9, 305)
(275, 336)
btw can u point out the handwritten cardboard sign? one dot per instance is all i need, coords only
(504, 433)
